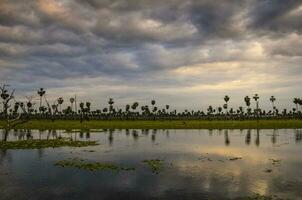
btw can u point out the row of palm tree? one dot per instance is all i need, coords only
(136, 111)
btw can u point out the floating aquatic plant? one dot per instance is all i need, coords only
(91, 166)
(268, 171)
(155, 165)
(39, 144)
(235, 158)
(90, 151)
(259, 197)
(275, 161)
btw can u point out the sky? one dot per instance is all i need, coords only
(188, 54)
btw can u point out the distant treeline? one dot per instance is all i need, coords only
(13, 110)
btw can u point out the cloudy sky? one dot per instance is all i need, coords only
(188, 54)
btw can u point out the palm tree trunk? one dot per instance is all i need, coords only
(75, 104)
(40, 104)
(257, 111)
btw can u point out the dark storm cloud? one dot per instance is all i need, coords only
(165, 46)
(277, 16)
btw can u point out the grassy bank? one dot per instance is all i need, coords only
(181, 124)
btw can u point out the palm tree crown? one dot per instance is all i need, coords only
(226, 98)
(256, 97)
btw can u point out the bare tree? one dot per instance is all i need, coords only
(15, 118)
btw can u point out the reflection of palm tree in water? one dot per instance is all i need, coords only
(248, 137)
(153, 137)
(40, 134)
(52, 133)
(226, 138)
(3, 152)
(274, 137)
(298, 137)
(87, 134)
(135, 135)
(81, 135)
(110, 138)
(167, 134)
(15, 132)
(40, 152)
(145, 131)
(4, 155)
(210, 132)
(5, 134)
(29, 134)
(21, 135)
(257, 141)
(127, 132)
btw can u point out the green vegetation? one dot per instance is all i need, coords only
(155, 165)
(39, 144)
(259, 197)
(159, 124)
(91, 166)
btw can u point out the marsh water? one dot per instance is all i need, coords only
(197, 164)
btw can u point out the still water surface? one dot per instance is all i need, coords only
(196, 165)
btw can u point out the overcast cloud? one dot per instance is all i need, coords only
(188, 54)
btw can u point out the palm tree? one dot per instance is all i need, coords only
(60, 102)
(226, 99)
(127, 108)
(110, 102)
(300, 103)
(154, 109)
(296, 102)
(105, 110)
(88, 104)
(75, 104)
(153, 103)
(219, 110)
(134, 106)
(247, 100)
(167, 107)
(41, 92)
(210, 110)
(225, 106)
(54, 108)
(241, 109)
(256, 98)
(29, 105)
(71, 102)
(273, 99)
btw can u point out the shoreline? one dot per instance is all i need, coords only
(159, 124)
